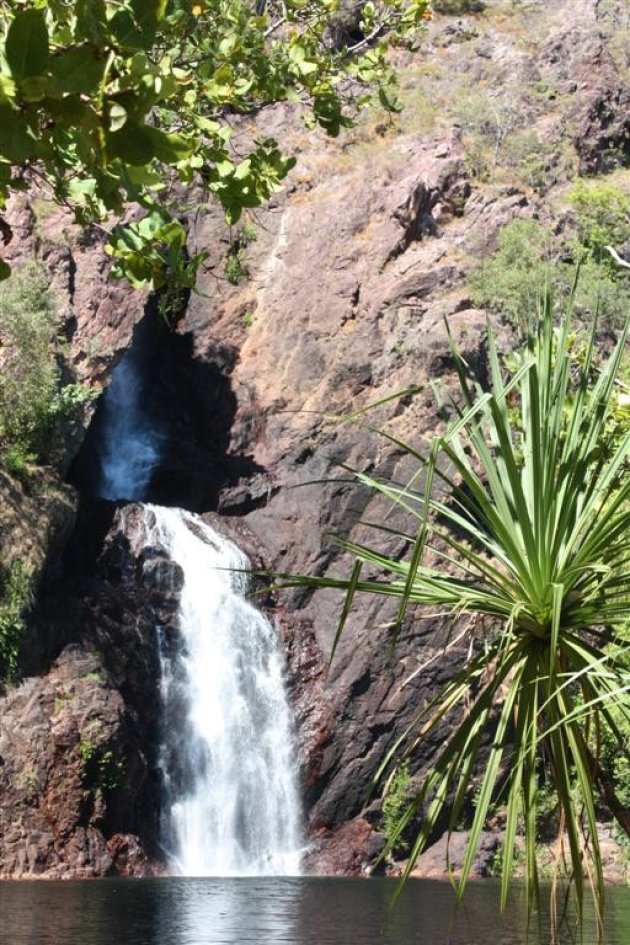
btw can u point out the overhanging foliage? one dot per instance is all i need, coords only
(105, 103)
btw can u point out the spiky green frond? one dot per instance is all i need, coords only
(524, 518)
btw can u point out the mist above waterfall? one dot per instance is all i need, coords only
(129, 437)
(130, 446)
(162, 430)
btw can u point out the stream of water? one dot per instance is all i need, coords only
(130, 446)
(232, 804)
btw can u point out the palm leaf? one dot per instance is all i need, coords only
(524, 518)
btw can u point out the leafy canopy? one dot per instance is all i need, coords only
(107, 103)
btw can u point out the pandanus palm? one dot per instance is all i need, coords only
(523, 522)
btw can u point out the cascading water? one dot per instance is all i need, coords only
(232, 800)
(130, 447)
(231, 803)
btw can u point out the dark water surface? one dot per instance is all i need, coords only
(304, 911)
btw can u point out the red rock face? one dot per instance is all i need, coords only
(351, 276)
(345, 852)
(349, 281)
(64, 749)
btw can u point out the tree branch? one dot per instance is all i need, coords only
(615, 255)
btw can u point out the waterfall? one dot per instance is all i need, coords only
(129, 446)
(230, 799)
(227, 756)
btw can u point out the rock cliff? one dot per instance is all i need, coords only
(340, 302)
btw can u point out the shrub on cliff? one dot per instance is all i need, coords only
(34, 405)
(29, 375)
(509, 282)
(602, 212)
(527, 539)
(528, 255)
(106, 103)
(15, 591)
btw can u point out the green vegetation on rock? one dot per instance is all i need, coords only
(509, 282)
(102, 770)
(29, 378)
(529, 255)
(15, 595)
(109, 103)
(34, 404)
(602, 212)
(395, 802)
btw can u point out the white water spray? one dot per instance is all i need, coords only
(228, 756)
(130, 447)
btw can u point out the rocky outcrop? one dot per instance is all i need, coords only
(36, 517)
(262, 387)
(445, 858)
(366, 322)
(79, 779)
(65, 752)
(80, 775)
(600, 109)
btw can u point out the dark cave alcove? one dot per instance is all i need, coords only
(188, 407)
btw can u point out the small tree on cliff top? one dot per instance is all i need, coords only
(106, 103)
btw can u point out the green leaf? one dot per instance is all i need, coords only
(233, 214)
(307, 68)
(126, 30)
(297, 53)
(136, 25)
(388, 103)
(72, 113)
(16, 143)
(149, 13)
(26, 47)
(35, 88)
(347, 606)
(243, 170)
(5, 270)
(132, 144)
(91, 21)
(7, 88)
(143, 176)
(224, 168)
(78, 189)
(170, 148)
(117, 116)
(78, 69)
